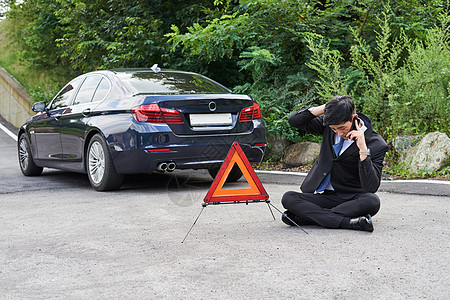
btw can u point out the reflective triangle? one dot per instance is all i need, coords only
(256, 190)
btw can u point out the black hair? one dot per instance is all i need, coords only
(339, 110)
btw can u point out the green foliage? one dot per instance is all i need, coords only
(46, 94)
(41, 85)
(326, 62)
(402, 85)
(423, 101)
(402, 171)
(95, 34)
(257, 61)
(286, 54)
(445, 172)
(214, 41)
(35, 28)
(107, 34)
(381, 72)
(276, 106)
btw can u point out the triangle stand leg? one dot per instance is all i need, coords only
(203, 207)
(287, 217)
(268, 205)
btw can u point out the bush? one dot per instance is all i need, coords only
(402, 85)
(423, 98)
(267, 48)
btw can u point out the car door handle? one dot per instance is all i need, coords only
(86, 112)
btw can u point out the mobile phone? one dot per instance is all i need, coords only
(354, 126)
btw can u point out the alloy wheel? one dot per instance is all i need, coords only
(23, 154)
(96, 162)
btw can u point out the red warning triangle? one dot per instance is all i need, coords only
(256, 190)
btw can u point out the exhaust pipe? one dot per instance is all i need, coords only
(171, 166)
(162, 167)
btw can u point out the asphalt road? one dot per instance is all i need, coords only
(60, 239)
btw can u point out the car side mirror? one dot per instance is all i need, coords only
(38, 107)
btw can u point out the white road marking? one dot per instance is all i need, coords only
(8, 132)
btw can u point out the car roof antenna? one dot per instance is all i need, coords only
(155, 68)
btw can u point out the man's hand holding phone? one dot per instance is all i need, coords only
(353, 134)
(357, 135)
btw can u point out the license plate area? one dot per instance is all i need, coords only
(199, 120)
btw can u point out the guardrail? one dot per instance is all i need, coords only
(15, 103)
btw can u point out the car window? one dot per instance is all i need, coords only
(102, 90)
(145, 82)
(87, 90)
(66, 94)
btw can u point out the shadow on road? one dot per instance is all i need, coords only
(171, 182)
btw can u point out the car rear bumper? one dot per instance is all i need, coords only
(143, 147)
(194, 156)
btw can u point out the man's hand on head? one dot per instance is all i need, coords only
(318, 110)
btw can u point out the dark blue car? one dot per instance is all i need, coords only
(111, 123)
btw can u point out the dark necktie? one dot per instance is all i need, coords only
(337, 148)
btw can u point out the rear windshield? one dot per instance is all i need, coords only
(147, 82)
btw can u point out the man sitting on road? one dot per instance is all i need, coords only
(339, 190)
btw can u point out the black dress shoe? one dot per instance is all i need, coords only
(362, 223)
(288, 215)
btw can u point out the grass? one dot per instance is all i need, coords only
(400, 171)
(42, 85)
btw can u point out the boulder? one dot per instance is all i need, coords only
(404, 142)
(432, 153)
(301, 154)
(275, 148)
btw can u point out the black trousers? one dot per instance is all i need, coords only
(327, 209)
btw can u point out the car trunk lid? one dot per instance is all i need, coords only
(207, 114)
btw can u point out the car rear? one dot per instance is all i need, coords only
(189, 122)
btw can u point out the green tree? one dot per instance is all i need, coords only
(261, 47)
(92, 34)
(36, 27)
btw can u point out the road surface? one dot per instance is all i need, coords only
(60, 239)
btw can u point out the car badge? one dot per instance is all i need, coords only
(212, 106)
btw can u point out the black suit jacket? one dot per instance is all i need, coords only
(349, 175)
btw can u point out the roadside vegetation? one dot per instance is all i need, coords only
(392, 57)
(41, 84)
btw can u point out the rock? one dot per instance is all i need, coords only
(301, 153)
(431, 153)
(276, 148)
(404, 142)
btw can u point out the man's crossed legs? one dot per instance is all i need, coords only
(330, 211)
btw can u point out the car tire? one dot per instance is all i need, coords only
(235, 173)
(26, 162)
(100, 168)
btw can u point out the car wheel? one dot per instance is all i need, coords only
(26, 162)
(100, 168)
(235, 173)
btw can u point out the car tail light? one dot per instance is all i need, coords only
(152, 113)
(251, 113)
(158, 150)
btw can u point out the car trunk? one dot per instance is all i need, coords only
(207, 114)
